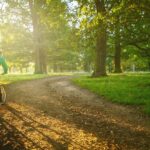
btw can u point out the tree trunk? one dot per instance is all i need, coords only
(44, 61)
(40, 63)
(86, 66)
(100, 60)
(117, 58)
(148, 65)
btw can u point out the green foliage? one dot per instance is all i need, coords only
(131, 89)
(68, 31)
(57, 39)
(131, 18)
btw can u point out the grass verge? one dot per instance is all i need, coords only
(7, 79)
(130, 89)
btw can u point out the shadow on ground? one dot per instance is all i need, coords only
(21, 129)
(48, 118)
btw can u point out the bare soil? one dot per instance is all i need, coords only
(54, 114)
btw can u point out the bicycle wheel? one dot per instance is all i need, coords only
(2, 95)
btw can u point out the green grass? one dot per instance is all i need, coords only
(7, 79)
(12, 78)
(130, 89)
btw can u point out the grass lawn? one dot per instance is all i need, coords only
(12, 78)
(7, 79)
(131, 89)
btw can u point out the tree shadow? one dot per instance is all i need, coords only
(12, 139)
(113, 133)
(116, 133)
(125, 137)
(56, 145)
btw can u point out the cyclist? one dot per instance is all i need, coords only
(5, 69)
(3, 63)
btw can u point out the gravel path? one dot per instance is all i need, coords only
(53, 114)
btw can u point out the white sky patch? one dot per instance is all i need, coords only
(73, 5)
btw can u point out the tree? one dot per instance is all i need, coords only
(92, 20)
(136, 28)
(100, 61)
(40, 55)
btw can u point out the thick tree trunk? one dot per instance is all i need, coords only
(117, 58)
(100, 60)
(40, 62)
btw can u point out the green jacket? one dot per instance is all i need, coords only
(4, 64)
(2, 60)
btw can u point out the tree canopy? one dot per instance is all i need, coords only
(98, 36)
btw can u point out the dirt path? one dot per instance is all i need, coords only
(53, 114)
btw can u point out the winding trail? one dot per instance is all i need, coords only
(54, 114)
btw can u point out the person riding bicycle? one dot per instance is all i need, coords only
(5, 69)
(3, 63)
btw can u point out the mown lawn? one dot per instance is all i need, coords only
(7, 79)
(130, 89)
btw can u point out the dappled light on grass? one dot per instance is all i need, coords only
(31, 129)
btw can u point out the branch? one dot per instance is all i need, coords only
(139, 47)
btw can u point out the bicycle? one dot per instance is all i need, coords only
(2, 95)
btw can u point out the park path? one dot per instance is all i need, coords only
(53, 114)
